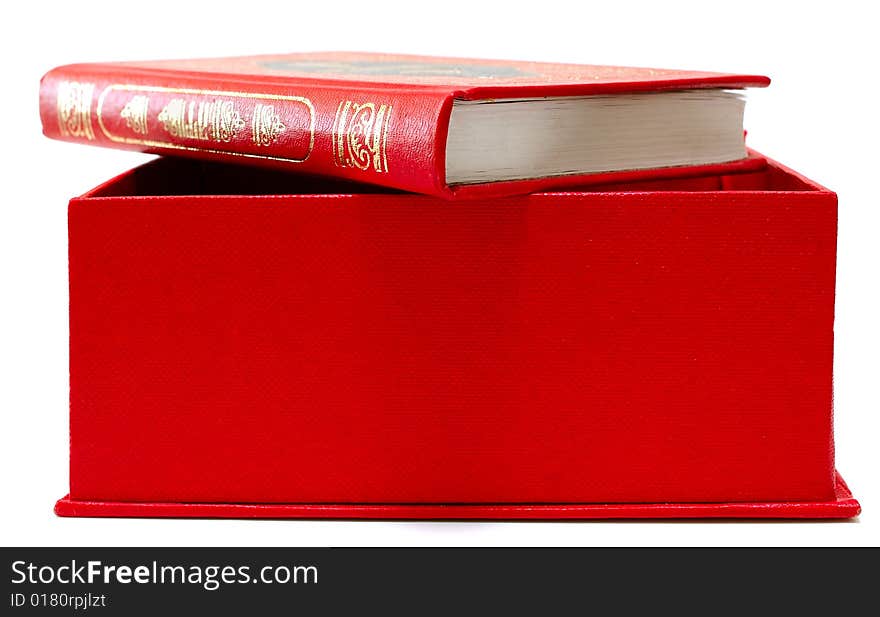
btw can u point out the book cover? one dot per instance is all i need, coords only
(375, 118)
(327, 352)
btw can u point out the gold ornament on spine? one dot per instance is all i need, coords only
(203, 120)
(75, 109)
(359, 134)
(300, 103)
(266, 125)
(135, 114)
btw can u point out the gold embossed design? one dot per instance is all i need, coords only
(135, 114)
(359, 134)
(75, 108)
(215, 120)
(157, 143)
(266, 125)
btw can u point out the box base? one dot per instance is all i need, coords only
(843, 506)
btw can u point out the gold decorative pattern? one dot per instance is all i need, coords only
(135, 114)
(215, 120)
(359, 134)
(75, 109)
(160, 91)
(266, 125)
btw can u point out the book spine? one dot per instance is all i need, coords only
(384, 136)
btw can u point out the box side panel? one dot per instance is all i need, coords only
(550, 349)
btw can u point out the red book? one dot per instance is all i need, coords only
(247, 343)
(441, 126)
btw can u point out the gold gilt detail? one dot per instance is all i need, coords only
(359, 135)
(203, 120)
(135, 114)
(294, 104)
(266, 125)
(75, 108)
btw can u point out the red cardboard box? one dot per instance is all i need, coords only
(246, 343)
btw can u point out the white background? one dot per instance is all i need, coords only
(819, 116)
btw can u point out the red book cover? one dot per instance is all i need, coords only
(375, 118)
(247, 344)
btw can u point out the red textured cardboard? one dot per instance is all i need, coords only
(249, 343)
